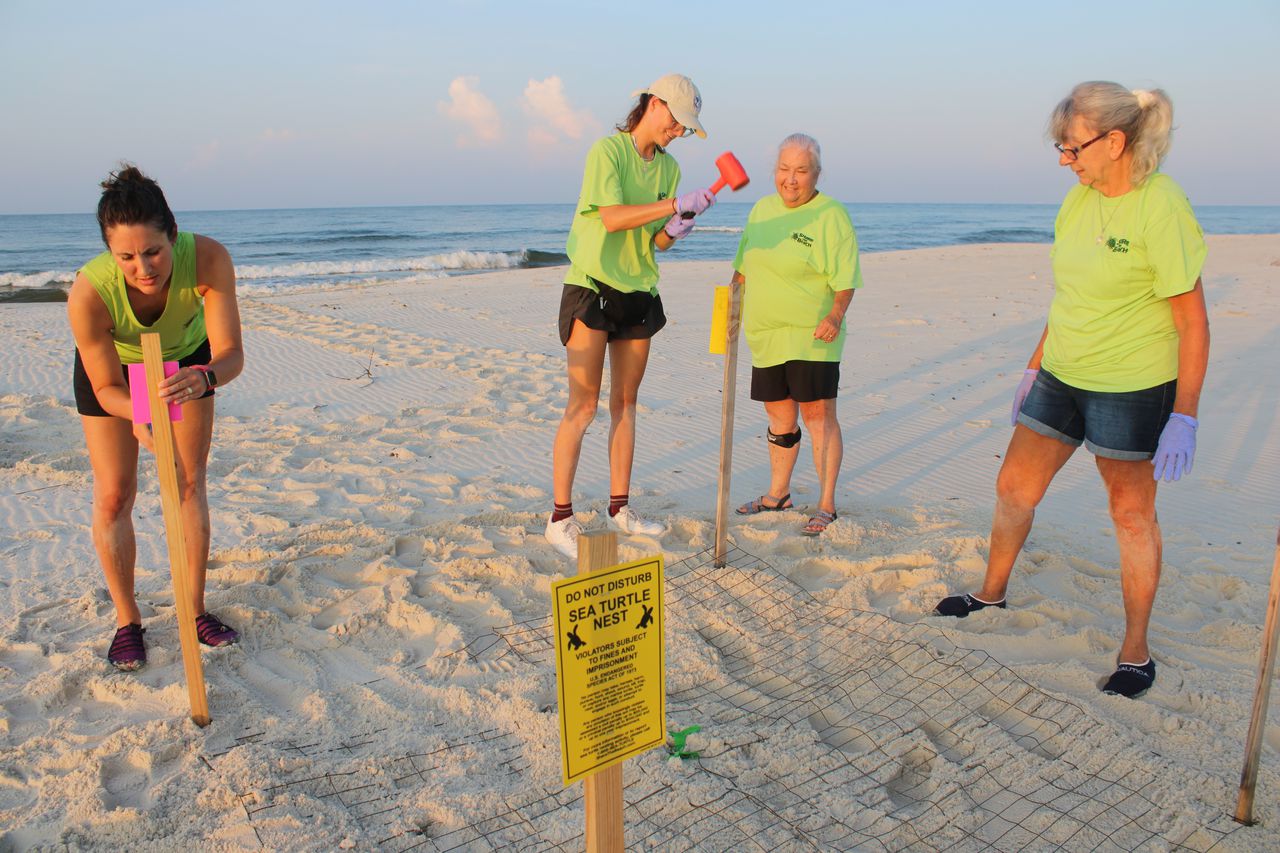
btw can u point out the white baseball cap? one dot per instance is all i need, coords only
(682, 98)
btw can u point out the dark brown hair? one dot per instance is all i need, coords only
(637, 112)
(131, 198)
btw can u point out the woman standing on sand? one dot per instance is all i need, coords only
(799, 253)
(152, 278)
(628, 207)
(1122, 359)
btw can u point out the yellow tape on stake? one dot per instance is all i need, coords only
(610, 665)
(719, 320)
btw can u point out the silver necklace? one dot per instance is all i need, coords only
(641, 156)
(1102, 234)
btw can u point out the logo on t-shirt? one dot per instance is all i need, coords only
(802, 238)
(661, 196)
(1120, 244)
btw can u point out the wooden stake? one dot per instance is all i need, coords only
(1258, 723)
(167, 466)
(727, 399)
(602, 791)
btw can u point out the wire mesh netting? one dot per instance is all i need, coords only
(823, 728)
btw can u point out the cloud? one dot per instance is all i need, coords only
(272, 134)
(470, 107)
(206, 155)
(553, 116)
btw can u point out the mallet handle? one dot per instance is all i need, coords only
(1258, 723)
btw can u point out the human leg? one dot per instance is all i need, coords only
(828, 448)
(627, 361)
(1030, 464)
(1131, 495)
(585, 354)
(191, 441)
(113, 456)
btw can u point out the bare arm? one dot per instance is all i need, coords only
(216, 282)
(1191, 319)
(623, 217)
(1034, 363)
(829, 326)
(91, 327)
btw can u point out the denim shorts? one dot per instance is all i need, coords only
(1116, 425)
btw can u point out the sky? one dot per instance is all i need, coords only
(278, 104)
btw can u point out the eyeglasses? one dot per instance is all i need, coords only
(685, 131)
(1072, 154)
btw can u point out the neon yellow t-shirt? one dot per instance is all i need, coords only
(1116, 262)
(616, 174)
(181, 326)
(794, 260)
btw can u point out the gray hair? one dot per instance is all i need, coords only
(1144, 116)
(808, 143)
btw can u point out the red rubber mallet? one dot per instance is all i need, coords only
(732, 175)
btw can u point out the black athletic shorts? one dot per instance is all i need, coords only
(802, 381)
(625, 316)
(87, 401)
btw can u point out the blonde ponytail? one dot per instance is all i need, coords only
(1145, 116)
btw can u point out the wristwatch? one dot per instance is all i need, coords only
(210, 378)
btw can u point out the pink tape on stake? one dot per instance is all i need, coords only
(138, 393)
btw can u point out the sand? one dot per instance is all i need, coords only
(379, 483)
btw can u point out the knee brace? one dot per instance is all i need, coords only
(786, 440)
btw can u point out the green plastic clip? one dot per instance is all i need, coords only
(676, 747)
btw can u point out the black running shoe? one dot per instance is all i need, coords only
(1131, 680)
(961, 606)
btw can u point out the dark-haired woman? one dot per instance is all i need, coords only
(152, 278)
(628, 207)
(1122, 360)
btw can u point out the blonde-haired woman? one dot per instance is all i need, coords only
(1122, 359)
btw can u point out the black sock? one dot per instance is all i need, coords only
(617, 502)
(561, 512)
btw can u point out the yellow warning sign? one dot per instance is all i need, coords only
(610, 665)
(719, 320)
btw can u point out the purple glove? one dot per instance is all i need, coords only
(1177, 447)
(1020, 396)
(677, 226)
(694, 202)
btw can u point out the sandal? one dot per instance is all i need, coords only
(758, 505)
(212, 632)
(818, 523)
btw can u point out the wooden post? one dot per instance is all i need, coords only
(167, 467)
(602, 791)
(727, 398)
(1258, 723)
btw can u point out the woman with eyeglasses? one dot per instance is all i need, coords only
(1122, 359)
(628, 208)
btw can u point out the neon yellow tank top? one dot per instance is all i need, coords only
(181, 326)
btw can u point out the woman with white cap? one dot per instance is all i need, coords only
(628, 207)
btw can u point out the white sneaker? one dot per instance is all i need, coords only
(563, 536)
(627, 521)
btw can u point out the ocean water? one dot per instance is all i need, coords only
(281, 250)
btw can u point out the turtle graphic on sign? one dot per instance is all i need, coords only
(646, 619)
(575, 642)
